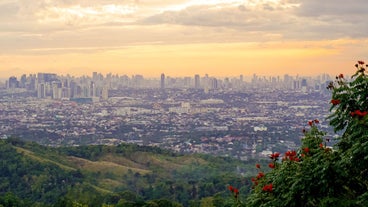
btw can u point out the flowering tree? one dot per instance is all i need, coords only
(317, 175)
(350, 110)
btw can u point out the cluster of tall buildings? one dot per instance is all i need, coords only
(295, 83)
(52, 86)
(206, 82)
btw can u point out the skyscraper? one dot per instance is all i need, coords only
(56, 90)
(197, 81)
(13, 82)
(162, 81)
(105, 93)
(23, 81)
(46, 77)
(41, 92)
(214, 83)
(92, 89)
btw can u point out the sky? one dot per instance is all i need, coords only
(182, 37)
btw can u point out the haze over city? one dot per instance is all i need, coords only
(182, 37)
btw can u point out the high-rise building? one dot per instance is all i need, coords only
(95, 76)
(162, 81)
(65, 93)
(197, 81)
(214, 83)
(13, 82)
(92, 89)
(296, 85)
(23, 81)
(187, 82)
(105, 93)
(73, 88)
(31, 83)
(41, 92)
(56, 90)
(304, 83)
(137, 81)
(46, 77)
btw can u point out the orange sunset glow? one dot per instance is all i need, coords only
(182, 37)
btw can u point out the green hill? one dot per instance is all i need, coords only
(124, 175)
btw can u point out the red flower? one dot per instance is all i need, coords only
(260, 175)
(361, 62)
(359, 113)
(341, 76)
(258, 166)
(290, 155)
(335, 102)
(296, 159)
(275, 155)
(236, 191)
(231, 188)
(253, 180)
(321, 146)
(271, 165)
(268, 188)
(306, 150)
(316, 121)
(310, 123)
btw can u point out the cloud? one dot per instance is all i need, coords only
(87, 25)
(64, 11)
(294, 19)
(334, 8)
(8, 9)
(217, 15)
(336, 18)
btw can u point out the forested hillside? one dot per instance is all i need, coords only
(124, 175)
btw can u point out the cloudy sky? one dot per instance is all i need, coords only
(182, 37)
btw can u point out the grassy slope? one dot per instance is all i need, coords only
(107, 170)
(110, 167)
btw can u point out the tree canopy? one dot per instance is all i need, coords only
(320, 173)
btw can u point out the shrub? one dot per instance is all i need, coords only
(319, 175)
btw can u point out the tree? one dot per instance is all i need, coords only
(350, 110)
(207, 202)
(317, 174)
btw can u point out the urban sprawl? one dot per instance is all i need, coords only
(238, 117)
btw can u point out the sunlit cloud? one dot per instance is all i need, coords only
(166, 33)
(87, 15)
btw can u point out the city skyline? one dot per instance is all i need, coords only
(182, 37)
(164, 77)
(54, 86)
